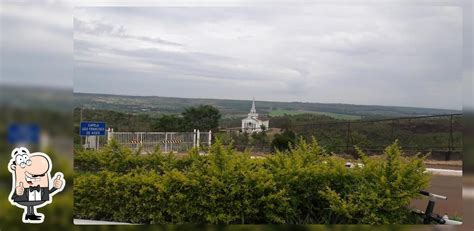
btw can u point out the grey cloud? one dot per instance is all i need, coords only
(108, 29)
(36, 50)
(183, 64)
(361, 55)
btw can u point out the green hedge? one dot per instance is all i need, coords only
(116, 158)
(300, 186)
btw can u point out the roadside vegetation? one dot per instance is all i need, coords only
(434, 134)
(302, 185)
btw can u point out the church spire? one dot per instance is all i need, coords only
(253, 107)
(253, 111)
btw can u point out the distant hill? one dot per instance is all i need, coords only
(34, 97)
(155, 106)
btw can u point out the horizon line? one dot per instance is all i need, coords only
(250, 100)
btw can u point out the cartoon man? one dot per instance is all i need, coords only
(31, 180)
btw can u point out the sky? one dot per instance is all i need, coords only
(371, 55)
(36, 44)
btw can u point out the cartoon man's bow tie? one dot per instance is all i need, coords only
(37, 188)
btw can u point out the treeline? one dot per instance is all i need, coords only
(440, 135)
(305, 185)
(282, 122)
(437, 134)
(203, 117)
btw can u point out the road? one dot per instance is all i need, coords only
(450, 186)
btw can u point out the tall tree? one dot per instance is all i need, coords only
(203, 117)
(168, 123)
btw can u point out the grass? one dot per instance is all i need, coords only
(299, 112)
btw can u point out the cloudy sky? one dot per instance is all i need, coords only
(397, 55)
(35, 43)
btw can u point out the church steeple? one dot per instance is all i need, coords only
(253, 111)
(252, 123)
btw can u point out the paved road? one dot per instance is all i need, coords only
(450, 186)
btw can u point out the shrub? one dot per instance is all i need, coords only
(384, 190)
(301, 185)
(283, 141)
(116, 158)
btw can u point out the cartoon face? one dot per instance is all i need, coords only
(31, 170)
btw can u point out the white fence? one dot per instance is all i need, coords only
(177, 142)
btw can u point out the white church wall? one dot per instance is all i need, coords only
(252, 123)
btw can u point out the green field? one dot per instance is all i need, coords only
(330, 114)
(156, 106)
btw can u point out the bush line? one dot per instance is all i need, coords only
(304, 185)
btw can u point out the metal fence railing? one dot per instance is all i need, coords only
(177, 142)
(439, 134)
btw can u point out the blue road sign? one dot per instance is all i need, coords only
(92, 129)
(25, 133)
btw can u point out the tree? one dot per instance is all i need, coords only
(284, 140)
(241, 138)
(259, 138)
(203, 117)
(168, 123)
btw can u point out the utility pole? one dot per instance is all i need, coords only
(451, 139)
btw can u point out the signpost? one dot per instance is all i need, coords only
(92, 129)
(23, 133)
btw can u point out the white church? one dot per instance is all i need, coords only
(252, 124)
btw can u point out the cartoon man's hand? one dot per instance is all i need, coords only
(58, 183)
(20, 189)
